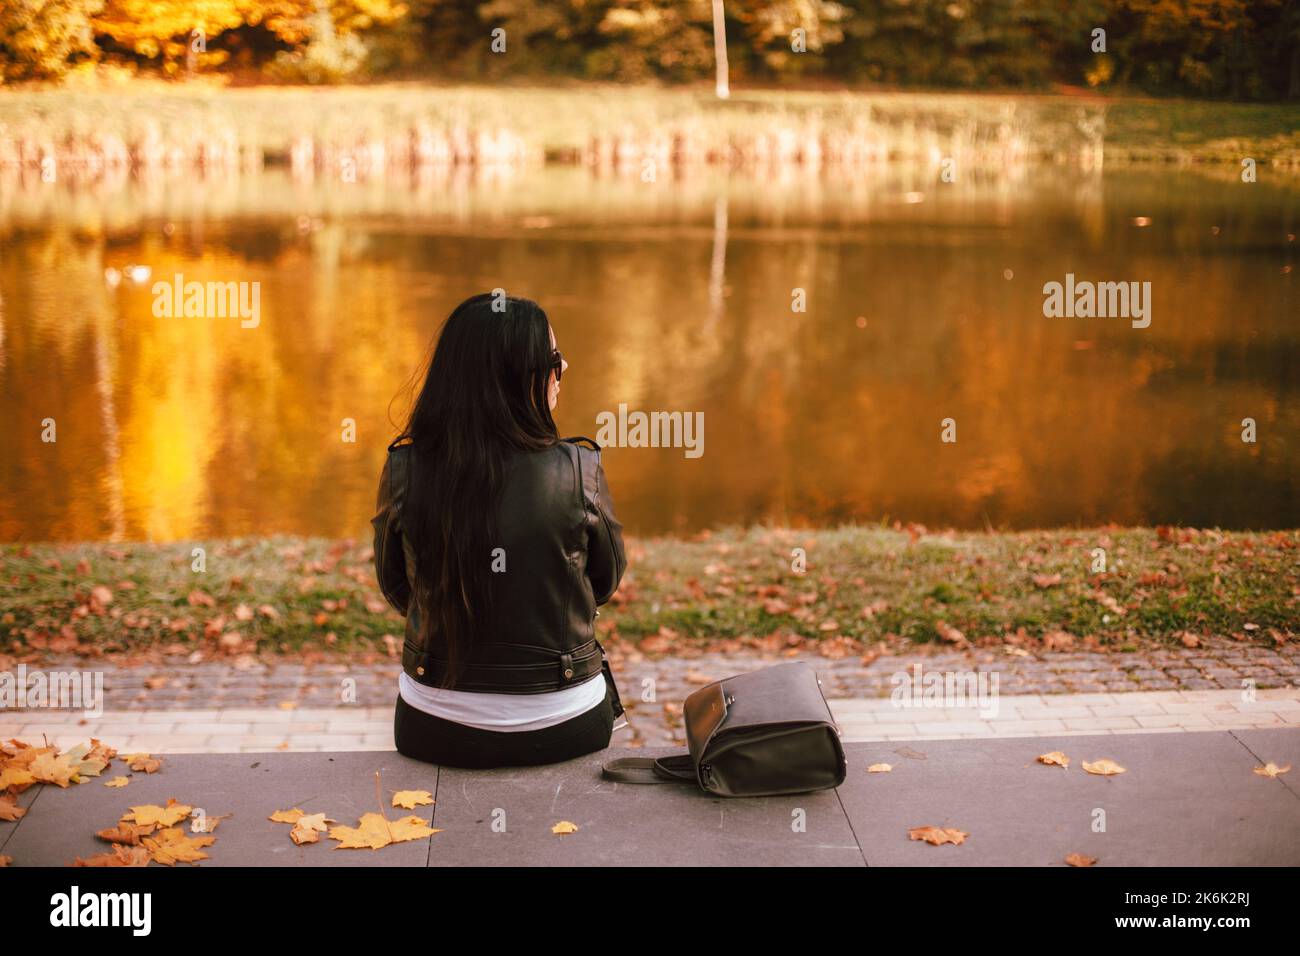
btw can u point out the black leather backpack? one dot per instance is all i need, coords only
(760, 734)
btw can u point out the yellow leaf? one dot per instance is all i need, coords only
(166, 816)
(879, 768)
(937, 835)
(47, 768)
(1104, 768)
(1078, 859)
(285, 816)
(16, 777)
(117, 782)
(172, 846)
(410, 799)
(1055, 757)
(308, 828)
(564, 826)
(374, 832)
(9, 809)
(142, 762)
(1271, 770)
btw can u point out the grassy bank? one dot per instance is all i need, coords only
(395, 125)
(862, 587)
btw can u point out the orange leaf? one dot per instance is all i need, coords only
(1103, 768)
(937, 835)
(1055, 757)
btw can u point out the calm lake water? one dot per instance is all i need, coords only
(924, 301)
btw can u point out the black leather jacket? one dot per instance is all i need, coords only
(563, 551)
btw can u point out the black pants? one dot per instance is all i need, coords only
(425, 737)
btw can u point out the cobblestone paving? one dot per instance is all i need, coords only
(361, 696)
(216, 685)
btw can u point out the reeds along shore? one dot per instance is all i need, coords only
(367, 132)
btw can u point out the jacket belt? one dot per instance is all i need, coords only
(568, 668)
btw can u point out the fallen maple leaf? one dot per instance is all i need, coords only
(286, 816)
(172, 846)
(128, 834)
(1078, 859)
(117, 782)
(117, 856)
(5, 860)
(166, 816)
(879, 768)
(1103, 768)
(564, 826)
(9, 809)
(144, 762)
(374, 832)
(410, 799)
(936, 836)
(308, 828)
(1055, 757)
(1271, 770)
(16, 779)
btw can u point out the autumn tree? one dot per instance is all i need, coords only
(39, 39)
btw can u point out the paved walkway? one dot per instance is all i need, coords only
(245, 730)
(1184, 799)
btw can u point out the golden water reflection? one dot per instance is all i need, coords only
(924, 303)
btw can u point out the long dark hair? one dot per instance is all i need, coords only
(485, 394)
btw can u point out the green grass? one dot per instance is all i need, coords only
(861, 587)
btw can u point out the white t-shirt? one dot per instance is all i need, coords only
(504, 711)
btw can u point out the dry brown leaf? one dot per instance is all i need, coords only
(143, 762)
(936, 836)
(9, 809)
(1055, 757)
(1078, 859)
(564, 826)
(128, 834)
(1103, 768)
(1271, 770)
(410, 799)
(117, 856)
(879, 768)
(172, 846)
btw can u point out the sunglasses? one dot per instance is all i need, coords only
(557, 363)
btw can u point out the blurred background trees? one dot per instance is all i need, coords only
(1240, 49)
